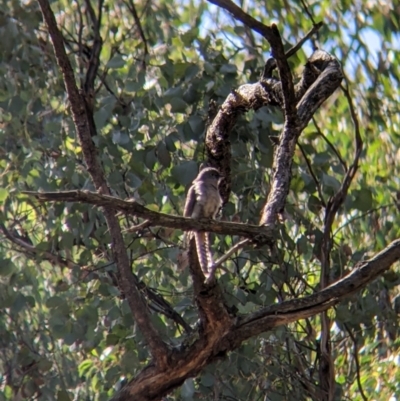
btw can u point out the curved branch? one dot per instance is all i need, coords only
(329, 78)
(330, 75)
(321, 76)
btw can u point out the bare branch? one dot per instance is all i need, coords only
(82, 120)
(94, 61)
(329, 143)
(336, 201)
(225, 257)
(316, 27)
(332, 207)
(264, 93)
(310, 169)
(271, 34)
(257, 26)
(328, 80)
(326, 83)
(257, 233)
(355, 356)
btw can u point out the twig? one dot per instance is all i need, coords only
(138, 227)
(28, 248)
(350, 221)
(225, 257)
(136, 18)
(333, 205)
(339, 197)
(310, 169)
(316, 27)
(355, 355)
(342, 161)
(94, 61)
(307, 11)
(270, 64)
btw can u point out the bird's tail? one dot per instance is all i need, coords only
(203, 250)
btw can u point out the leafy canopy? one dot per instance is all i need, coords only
(66, 332)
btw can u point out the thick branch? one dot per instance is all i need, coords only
(82, 118)
(213, 315)
(151, 384)
(257, 233)
(275, 92)
(330, 76)
(265, 93)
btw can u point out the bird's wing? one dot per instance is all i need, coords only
(190, 202)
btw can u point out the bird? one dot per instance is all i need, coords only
(203, 200)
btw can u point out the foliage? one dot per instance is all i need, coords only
(66, 331)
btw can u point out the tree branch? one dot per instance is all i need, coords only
(274, 92)
(82, 120)
(257, 26)
(132, 9)
(257, 233)
(27, 248)
(329, 78)
(326, 370)
(151, 384)
(362, 274)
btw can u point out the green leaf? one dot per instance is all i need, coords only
(6, 267)
(185, 173)
(150, 158)
(163, 155)
(330, 182)
(120, 138)
(207, 380)
(189, 36)
(116, 62)
(63, 395)
(44, 365)
(363, 200)
(172, 93)
(197, 124)
(187, 390)
(228, 69)
(54, 302)
(19, 303)
(178, 105)
(3, 194)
